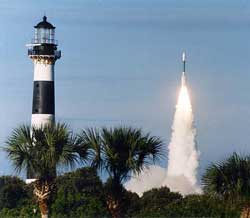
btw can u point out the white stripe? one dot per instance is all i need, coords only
(28, 181)
(39, 120)
(43, 72)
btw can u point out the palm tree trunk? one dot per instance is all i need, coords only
(114, 207)
(44, 209)
(114, 194)
(43, 191)
(245, 213)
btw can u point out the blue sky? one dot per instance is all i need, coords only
(121, 64)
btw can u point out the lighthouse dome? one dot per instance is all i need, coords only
(44, 24)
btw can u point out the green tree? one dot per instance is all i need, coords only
(230, 180)
(79, 194)
(12, 192)
(157, 198)
(171, 205)
(42, 150)
(119, 152)
(200, 206)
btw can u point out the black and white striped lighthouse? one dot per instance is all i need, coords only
(43, 51)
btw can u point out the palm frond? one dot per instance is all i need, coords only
(229, 179)
(43, 149)
(89, 140)
(19, 148)
(121, 150)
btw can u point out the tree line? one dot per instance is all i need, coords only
(118, 152)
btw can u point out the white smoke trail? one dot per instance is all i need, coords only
(183, 157)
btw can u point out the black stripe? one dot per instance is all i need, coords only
(43, 97)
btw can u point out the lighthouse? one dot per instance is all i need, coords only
(43, 52)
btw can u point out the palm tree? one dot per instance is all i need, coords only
(230, 180)
(119, 152)
(42, 150)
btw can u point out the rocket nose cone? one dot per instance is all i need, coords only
(183, 56)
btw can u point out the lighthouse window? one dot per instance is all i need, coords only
(52, 36)
(36, 36)
(43, 35)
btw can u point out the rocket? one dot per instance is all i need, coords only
(183, 77)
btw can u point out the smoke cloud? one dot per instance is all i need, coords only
(151, 177)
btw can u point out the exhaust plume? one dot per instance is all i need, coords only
(183, 156)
